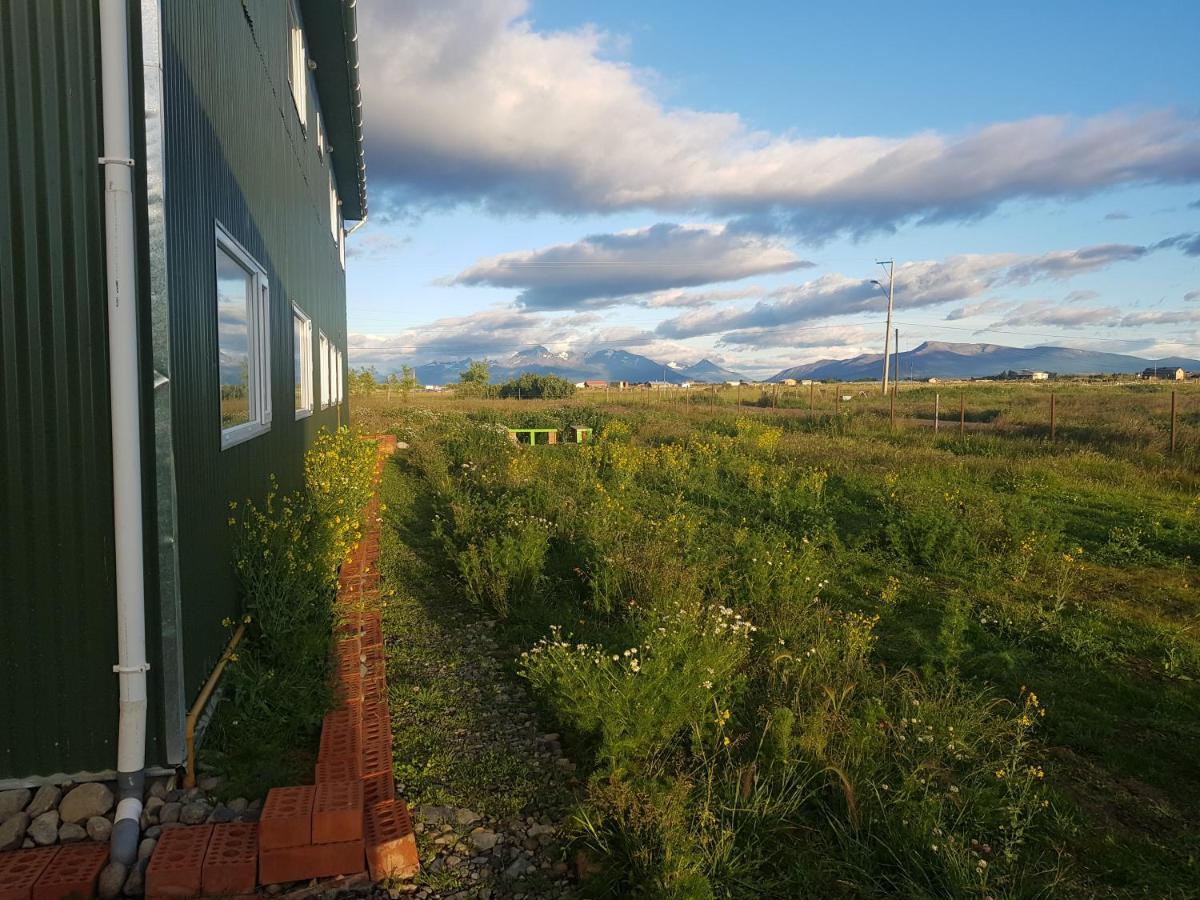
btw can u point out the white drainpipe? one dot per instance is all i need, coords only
(124, 390)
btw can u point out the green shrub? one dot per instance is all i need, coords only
(531, 386)
(287, 549)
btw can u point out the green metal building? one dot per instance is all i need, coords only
(246, 158)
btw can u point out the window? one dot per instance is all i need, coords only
(339, 379)
(326, 372)
(243, 345)
(297, 63)
(302, 362)
(320, 136)
(334, 212)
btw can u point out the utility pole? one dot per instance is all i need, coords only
(896, 374)
(890, 265)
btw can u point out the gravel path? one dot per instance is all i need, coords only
(488, 789)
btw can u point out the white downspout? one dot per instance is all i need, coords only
(125, 396)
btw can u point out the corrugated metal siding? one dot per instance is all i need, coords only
(235, 154)
(58, 698)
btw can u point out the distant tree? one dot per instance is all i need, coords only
(408, 380)
(364, 380)
(476, 373)
(531, 386)
(391, 383)
(475, 380)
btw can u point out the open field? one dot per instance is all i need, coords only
(811, 655)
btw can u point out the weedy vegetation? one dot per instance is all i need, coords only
(805, 657)
(287, 550)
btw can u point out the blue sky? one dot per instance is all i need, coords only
(687, 180)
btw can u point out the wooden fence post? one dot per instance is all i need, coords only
(1053, 422)
(962, 412)
(1172, 421)
(937, 409)
(892, 408)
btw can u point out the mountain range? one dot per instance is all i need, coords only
(938, 359)
(598, 365)
(932, 359)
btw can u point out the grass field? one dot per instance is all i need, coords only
(808, 654)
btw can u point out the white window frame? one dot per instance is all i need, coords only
(323, 346)
(340, 380)
(258, 324)
(298, 63)
(299, 318)
(334, 208)
(320, 135)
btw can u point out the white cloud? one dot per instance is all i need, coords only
(606, 269)
(375, 246)
(1040, 313)
(970, 310)
(918, 284)
(467, 102)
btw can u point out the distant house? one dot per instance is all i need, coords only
(788, 382)
(1155, 373)
(192, 164)
(1039, 376)
(595, 384)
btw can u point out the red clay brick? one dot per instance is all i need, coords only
(20, 869)
(348, 646)
(178, 862)
(231, 863)
(338, 812)
(348, 679)
(340, 737)
(72, 873)
(391, 844)
(378, 788)
(339, 770)
(310, 861)
(350, 625)
(377, 757)
(372, 627)
(286, 819)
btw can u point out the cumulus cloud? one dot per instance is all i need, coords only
(605, 269)
(1080, 296)
(1189, 244)
(1044, 314)
(467, 102)
(1060, 264)
(1192, 295)
(843, 339)
(484, 333)
(694, 299)
(970, 310)
(918, 284)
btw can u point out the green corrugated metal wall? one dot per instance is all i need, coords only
(235, 154)
(58, 698)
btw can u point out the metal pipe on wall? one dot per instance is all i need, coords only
(125, 397)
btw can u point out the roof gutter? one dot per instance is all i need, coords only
(125, 401)
(357, 108)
